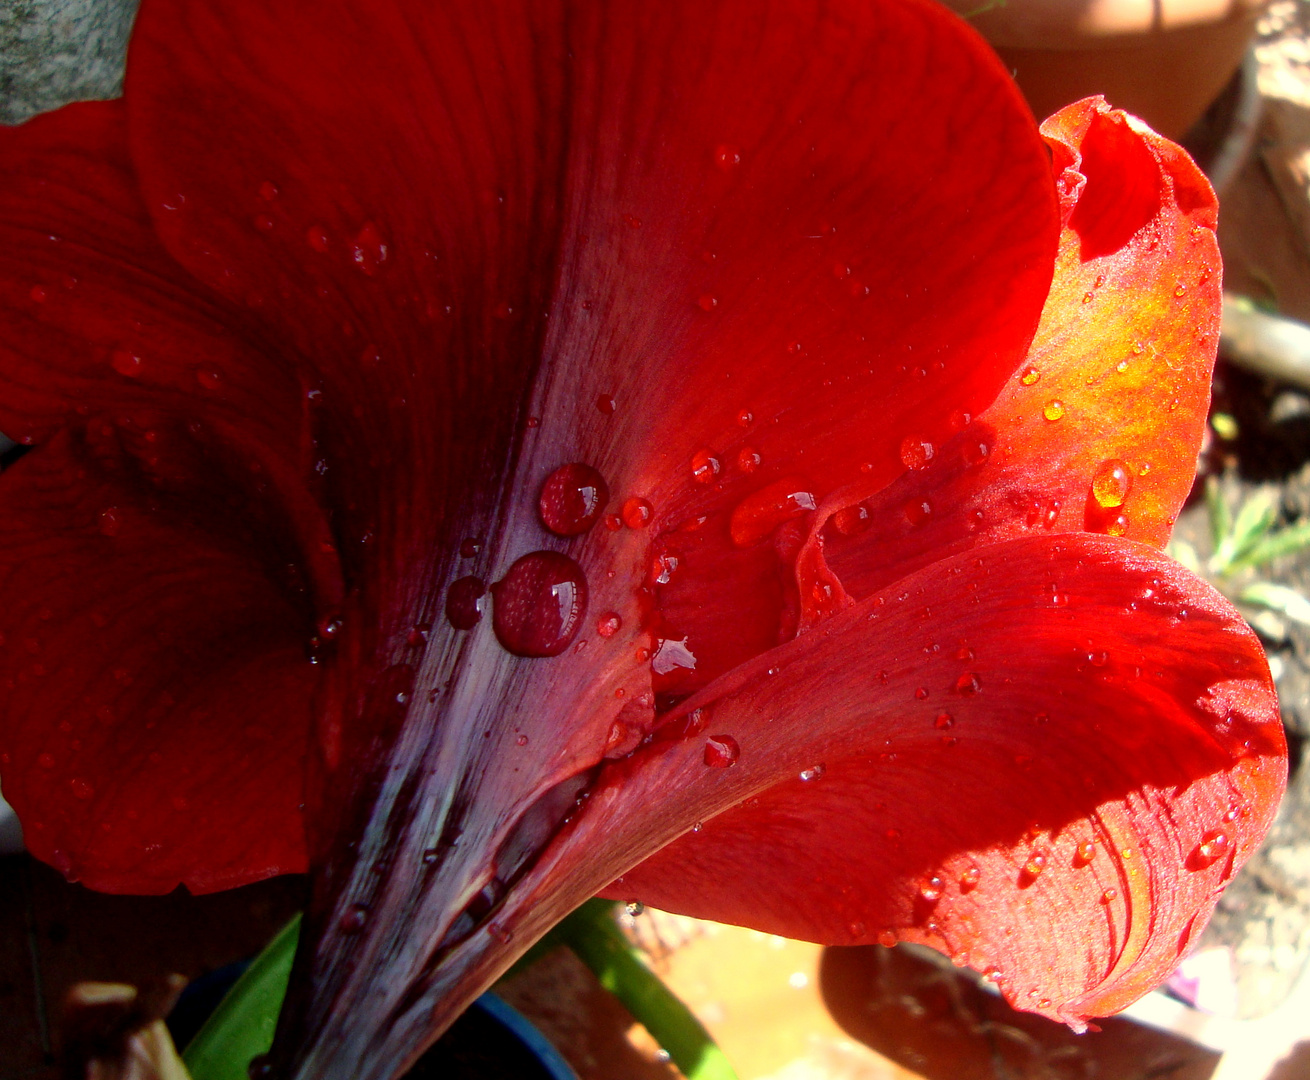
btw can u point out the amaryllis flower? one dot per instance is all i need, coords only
(486, 452)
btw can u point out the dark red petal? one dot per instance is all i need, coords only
(154, 683)
(1116, 385)
(998, 710)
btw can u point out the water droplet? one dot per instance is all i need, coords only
(917, 511)
(268, 191)
(1053, 409)
(748, 460)
(969, 878)
(704, 467)
(317, 237)
(209, 378)
(931, 888)
(81, 789)
(605, 404)
(1029, 375)
(1180, 289)
(1109, 895)
(921, 693)
(608, 624)
(857, 929)
(429, 856)
(1111, 483)
(1213, 846)
(745, 418)
(727, 157)
(707, 302)
(368, 251)
(260, 1067)
(125, 362)
(1098, 658)
(916, 453)
(757, 515)
(815, 772)
(539, 604)
(613, 522)
(521, 740)
(1088, 297)
(976, 453)
(1085, 853)
(993, 974)
(418, 635)
(887, 938)
(944, 720)
(353, 919)
(721, 751)
(463, 602)
(1036, 863)
(471, 546)
(1117, 527)
(851, 520)
(637, 512)
(572, 498)
(671, 654)
(263, 223)
(968, 683)
(109, 521)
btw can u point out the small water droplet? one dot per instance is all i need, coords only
(1098, 658)
(748, 460)
(109, 521)
(539, 604)
(921, 693)
(721, 751)
(521, 740)
(637, 513)
(209, 378)
(969, 878)
(993, 974)
(757, 515)
(917, 511)
(1111, 483)
(1053, 409)
(612, 522)
(707, 302)
(1117, 527)
(471, 546)
(851, 520)
(125, 362)
(815, 772)
(260, 1068)
(369, 251)
(1109, 895)
(353, 919)
(572, 498)
(429, 856)
(1085, 853)
(968, 683)
(857, 929)
(1180, 289)
(931, 888)
(1214, 845)
(317, 238)
(1029, 375)
(745, 418)
(976, 452)
(727, 156)
(1036, 863)
(263, 223)
(704, 467)
(81, 789)
(605, 404)
(463, 602)
(916, 453)
(887, 938)
(944, 720)
(608, 624)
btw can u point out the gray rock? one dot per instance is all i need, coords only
(56, 51)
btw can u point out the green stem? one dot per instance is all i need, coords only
(593, 935)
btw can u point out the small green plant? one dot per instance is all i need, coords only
(1243, 542)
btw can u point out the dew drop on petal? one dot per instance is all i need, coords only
(608, 624)
(1111, 483)
(1053, 409)
(968, 683)
(1213, 846)
(1085, 853)
(572, 498)
(605, 404)
(470, 546)
(707, 302)
(814, 772)
(944, 720)
(46, 760)
(1117, 527)
(369, 251)
(1109, 895)
(317, 238)
(916, 452)
(969, 878)
(721, 751)
(209, 378)
(125, 362)
(931, 888)
(704, 467)
(1029, 375)
(748, 460)
(851, 520)
(637, 513)
(109, 521)
(539, 604)
(353, 919)
(81, 789)
(745, 418)
(727, 156)
(1036, 864)
(463, 602)
(887, 938)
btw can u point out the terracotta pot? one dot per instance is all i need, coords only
(1163, 60)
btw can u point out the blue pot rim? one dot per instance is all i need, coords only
(522, 1029)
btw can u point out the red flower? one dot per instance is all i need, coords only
(845, 598)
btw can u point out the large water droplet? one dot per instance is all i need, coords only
(1111, 483)
(721, 751)
(572, 499)
(463, 609)
(916, 452)
(1213, 846)
(757, 515)
(539, 604)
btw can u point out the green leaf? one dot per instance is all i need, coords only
(593, 935)
(1279, 598)
(1221, 518)
(1254, 519)
(242, 1026)
(1286, 541)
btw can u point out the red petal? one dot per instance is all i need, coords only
(965, 719)
(1116, 384)
(133, 749)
